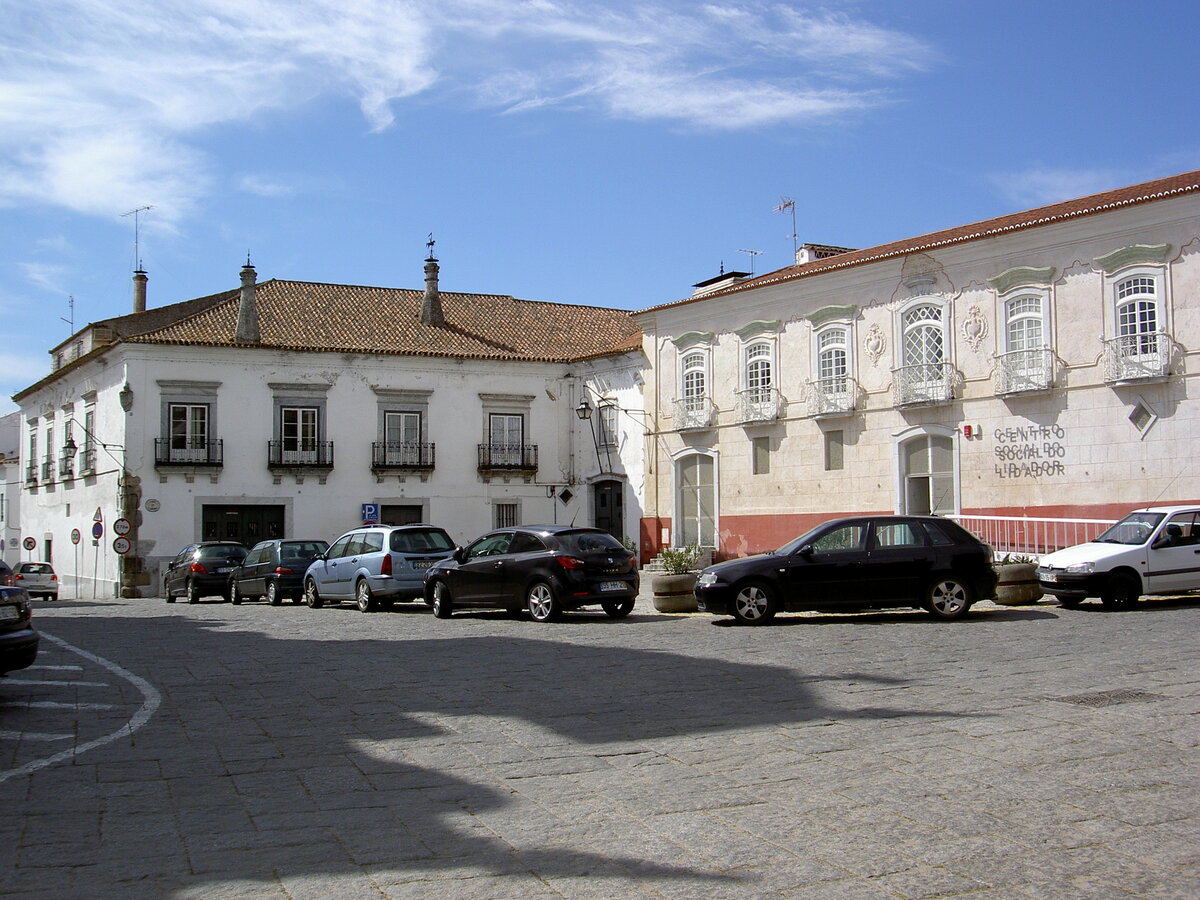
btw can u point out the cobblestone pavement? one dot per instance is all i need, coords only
(213, 751)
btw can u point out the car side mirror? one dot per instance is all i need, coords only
(806, 551)
(460, 555)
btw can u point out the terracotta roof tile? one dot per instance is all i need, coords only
(1188, 182)
(355, 319)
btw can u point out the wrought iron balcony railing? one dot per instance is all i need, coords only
(834, 396)
(299, 454)
(1137, 357)
(511, 457)
(48, 469)
(401, 455)
(694, 412)
(87, 459)
(172, 452)
(759, 405)
(31, 474)
(1024, 371)
(66, 466)
(925, 384)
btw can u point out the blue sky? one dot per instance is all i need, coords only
(603, 153)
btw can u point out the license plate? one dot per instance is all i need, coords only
(613, 586)
(221, 570)
(422, 563)
(1050, 577)
(8, 613)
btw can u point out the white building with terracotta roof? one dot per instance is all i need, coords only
(1038, 366)
(295, 409)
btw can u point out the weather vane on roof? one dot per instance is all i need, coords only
(429, 243)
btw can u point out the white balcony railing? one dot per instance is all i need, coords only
(759, 405)
(694, 412)
(1136, 357)
(1028, 536)
(1023, 371)
(923, 384)
(836, 396)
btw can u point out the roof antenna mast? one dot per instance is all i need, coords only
(786, 204)
(751, 254)
(137, 236)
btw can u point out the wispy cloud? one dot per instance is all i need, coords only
(264, 187)
(106, 104)
(1040, 186)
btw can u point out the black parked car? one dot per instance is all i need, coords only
(18, 640)
(860, 563)
(203, 569)
(546, 569)
(274, 569)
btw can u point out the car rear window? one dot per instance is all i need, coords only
(36, 569)
(589, 541)
(228, 551)
(302, 549)
(421, 540)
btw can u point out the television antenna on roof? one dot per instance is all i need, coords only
(751, 254)
(137, 245)
(786, 204)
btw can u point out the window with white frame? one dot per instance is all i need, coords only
(922, 376)
(1137, 311)
(833, 358)
(188, 424)
(1024, 364)
(506, 434)
(759, 368)
(401, 438)
(298, 433)
(606, 418)
(1137, 315)
(693, 369)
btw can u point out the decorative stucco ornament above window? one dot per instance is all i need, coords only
(975, 328)
(875, 343)
(1135, 254)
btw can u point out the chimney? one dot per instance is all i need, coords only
(431, 307)
(247, 324)
(139, 290)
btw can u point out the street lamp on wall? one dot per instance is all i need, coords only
(584, 410)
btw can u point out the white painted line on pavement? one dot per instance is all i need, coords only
(33, 736)
(55, 683)
(152, 700)
(59, 668)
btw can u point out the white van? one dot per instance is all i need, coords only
(1151, 551)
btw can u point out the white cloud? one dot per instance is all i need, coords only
(264, 187)
(104, 103)
(1041, 186)
(46, 277)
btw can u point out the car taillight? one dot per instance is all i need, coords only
(197, 569)
(570, 562)
(18, 576)
(386, 568)
(54, 578)
(284, 570)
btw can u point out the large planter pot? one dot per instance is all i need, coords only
(1018, 584)
(674, 593)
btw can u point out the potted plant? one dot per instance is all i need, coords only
(674, 588)
(1017, 583)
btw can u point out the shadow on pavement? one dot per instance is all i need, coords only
(276, 755)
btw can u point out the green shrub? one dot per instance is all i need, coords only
(680, 560)
(1012, 559)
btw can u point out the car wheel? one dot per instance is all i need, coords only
(362, 596)
(235, 595)
(170, 596)
(1069, 602)
(618, 609)
(193, 592)
(1119, 591)
(543, 605)
(312, 596)
(947, 598)
(273, 594)
(442, 603)
(755, 604)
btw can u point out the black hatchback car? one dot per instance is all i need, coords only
(546, 569)
(859, 563)
(18, 640)
(274, 570)
(203, 569)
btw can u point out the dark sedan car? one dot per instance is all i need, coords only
(274, 570)
(200, 570)
(18, 640)
(546, 569)
(860, 563)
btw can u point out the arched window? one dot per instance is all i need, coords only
(923, 376)
(759, 364)
(927, 470)
(1025, 329)
(1137, 316)
(694, 375)
(832, 359)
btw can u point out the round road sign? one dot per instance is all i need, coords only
(75, 535)
(122, 545)
(29, 543)
(121, 526)
(97, 530)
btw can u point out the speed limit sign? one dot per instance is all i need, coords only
(121, 545)
(75, 535)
